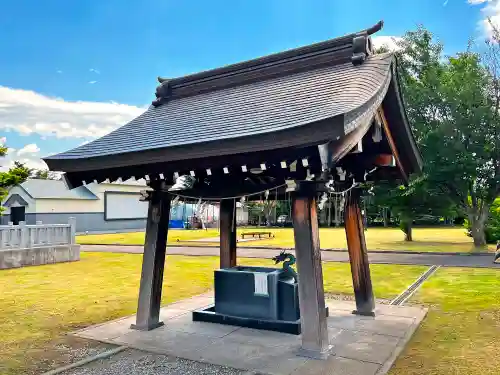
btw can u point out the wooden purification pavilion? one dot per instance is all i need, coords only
(302, 122)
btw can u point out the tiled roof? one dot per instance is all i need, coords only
(292, 100)
(55, 189)
(260, 107)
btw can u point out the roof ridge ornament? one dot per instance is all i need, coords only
(362, 45)
(163, 92)
(360, 48)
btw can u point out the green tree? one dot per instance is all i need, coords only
(16, 175)
(265, 208)
(493, 225)
(44, 174)
(452, 104)
(420, 69)
(408, 203)
(40, 174)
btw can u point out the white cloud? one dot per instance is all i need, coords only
(445, 3)
(59, 72)
(490, 10)
(28, 155)
(27, 112)
(32, 148)
(386, 41)
(94, 71)
(92, 82)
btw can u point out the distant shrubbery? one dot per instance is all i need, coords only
(492, 227)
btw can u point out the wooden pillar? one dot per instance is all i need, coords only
(358, 255)
(310, 275)
(227, 233)
(153, 261)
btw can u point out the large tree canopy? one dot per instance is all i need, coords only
(453, 106)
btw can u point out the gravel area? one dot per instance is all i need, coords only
(63, 351)
(135, 362)
(78, 349)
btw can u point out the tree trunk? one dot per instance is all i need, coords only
(336, 207)
(268, 219)
(330, 203)
(322, 216)
(477, 221)
(385, 213)
(407, 228)
(478, 234)
(409, 232)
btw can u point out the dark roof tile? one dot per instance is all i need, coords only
(255, 108)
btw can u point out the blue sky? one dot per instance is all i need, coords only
(100, 59)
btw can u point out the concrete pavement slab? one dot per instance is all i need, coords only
(382, 324)
(362, 345)
(337, 366)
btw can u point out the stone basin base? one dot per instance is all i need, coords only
(209, 315)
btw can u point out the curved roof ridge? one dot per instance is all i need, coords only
(294, 52)
(355, 46)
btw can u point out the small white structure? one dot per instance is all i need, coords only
(30, 245)
(96, 207)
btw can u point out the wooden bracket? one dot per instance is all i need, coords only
(146, 195)
(306, 188)
(392, 144)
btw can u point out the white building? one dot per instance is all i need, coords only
(104, 207)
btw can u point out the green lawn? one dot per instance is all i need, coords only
(40, 304)
(439, 239)
(461, 334)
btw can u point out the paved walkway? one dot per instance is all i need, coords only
(361, 345)
(445, 260)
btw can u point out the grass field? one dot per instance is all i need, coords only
(40, 304)
(461, 333)
(439, 239)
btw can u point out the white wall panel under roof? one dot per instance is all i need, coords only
(124, 205)
(68, 206)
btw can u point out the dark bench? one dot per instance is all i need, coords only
(254, 234)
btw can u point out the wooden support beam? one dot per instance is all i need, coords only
(358, 256)
(153, 261)
(311, 294)
(392, 144)
(227, 233)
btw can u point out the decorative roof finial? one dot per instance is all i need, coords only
(163, 92)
